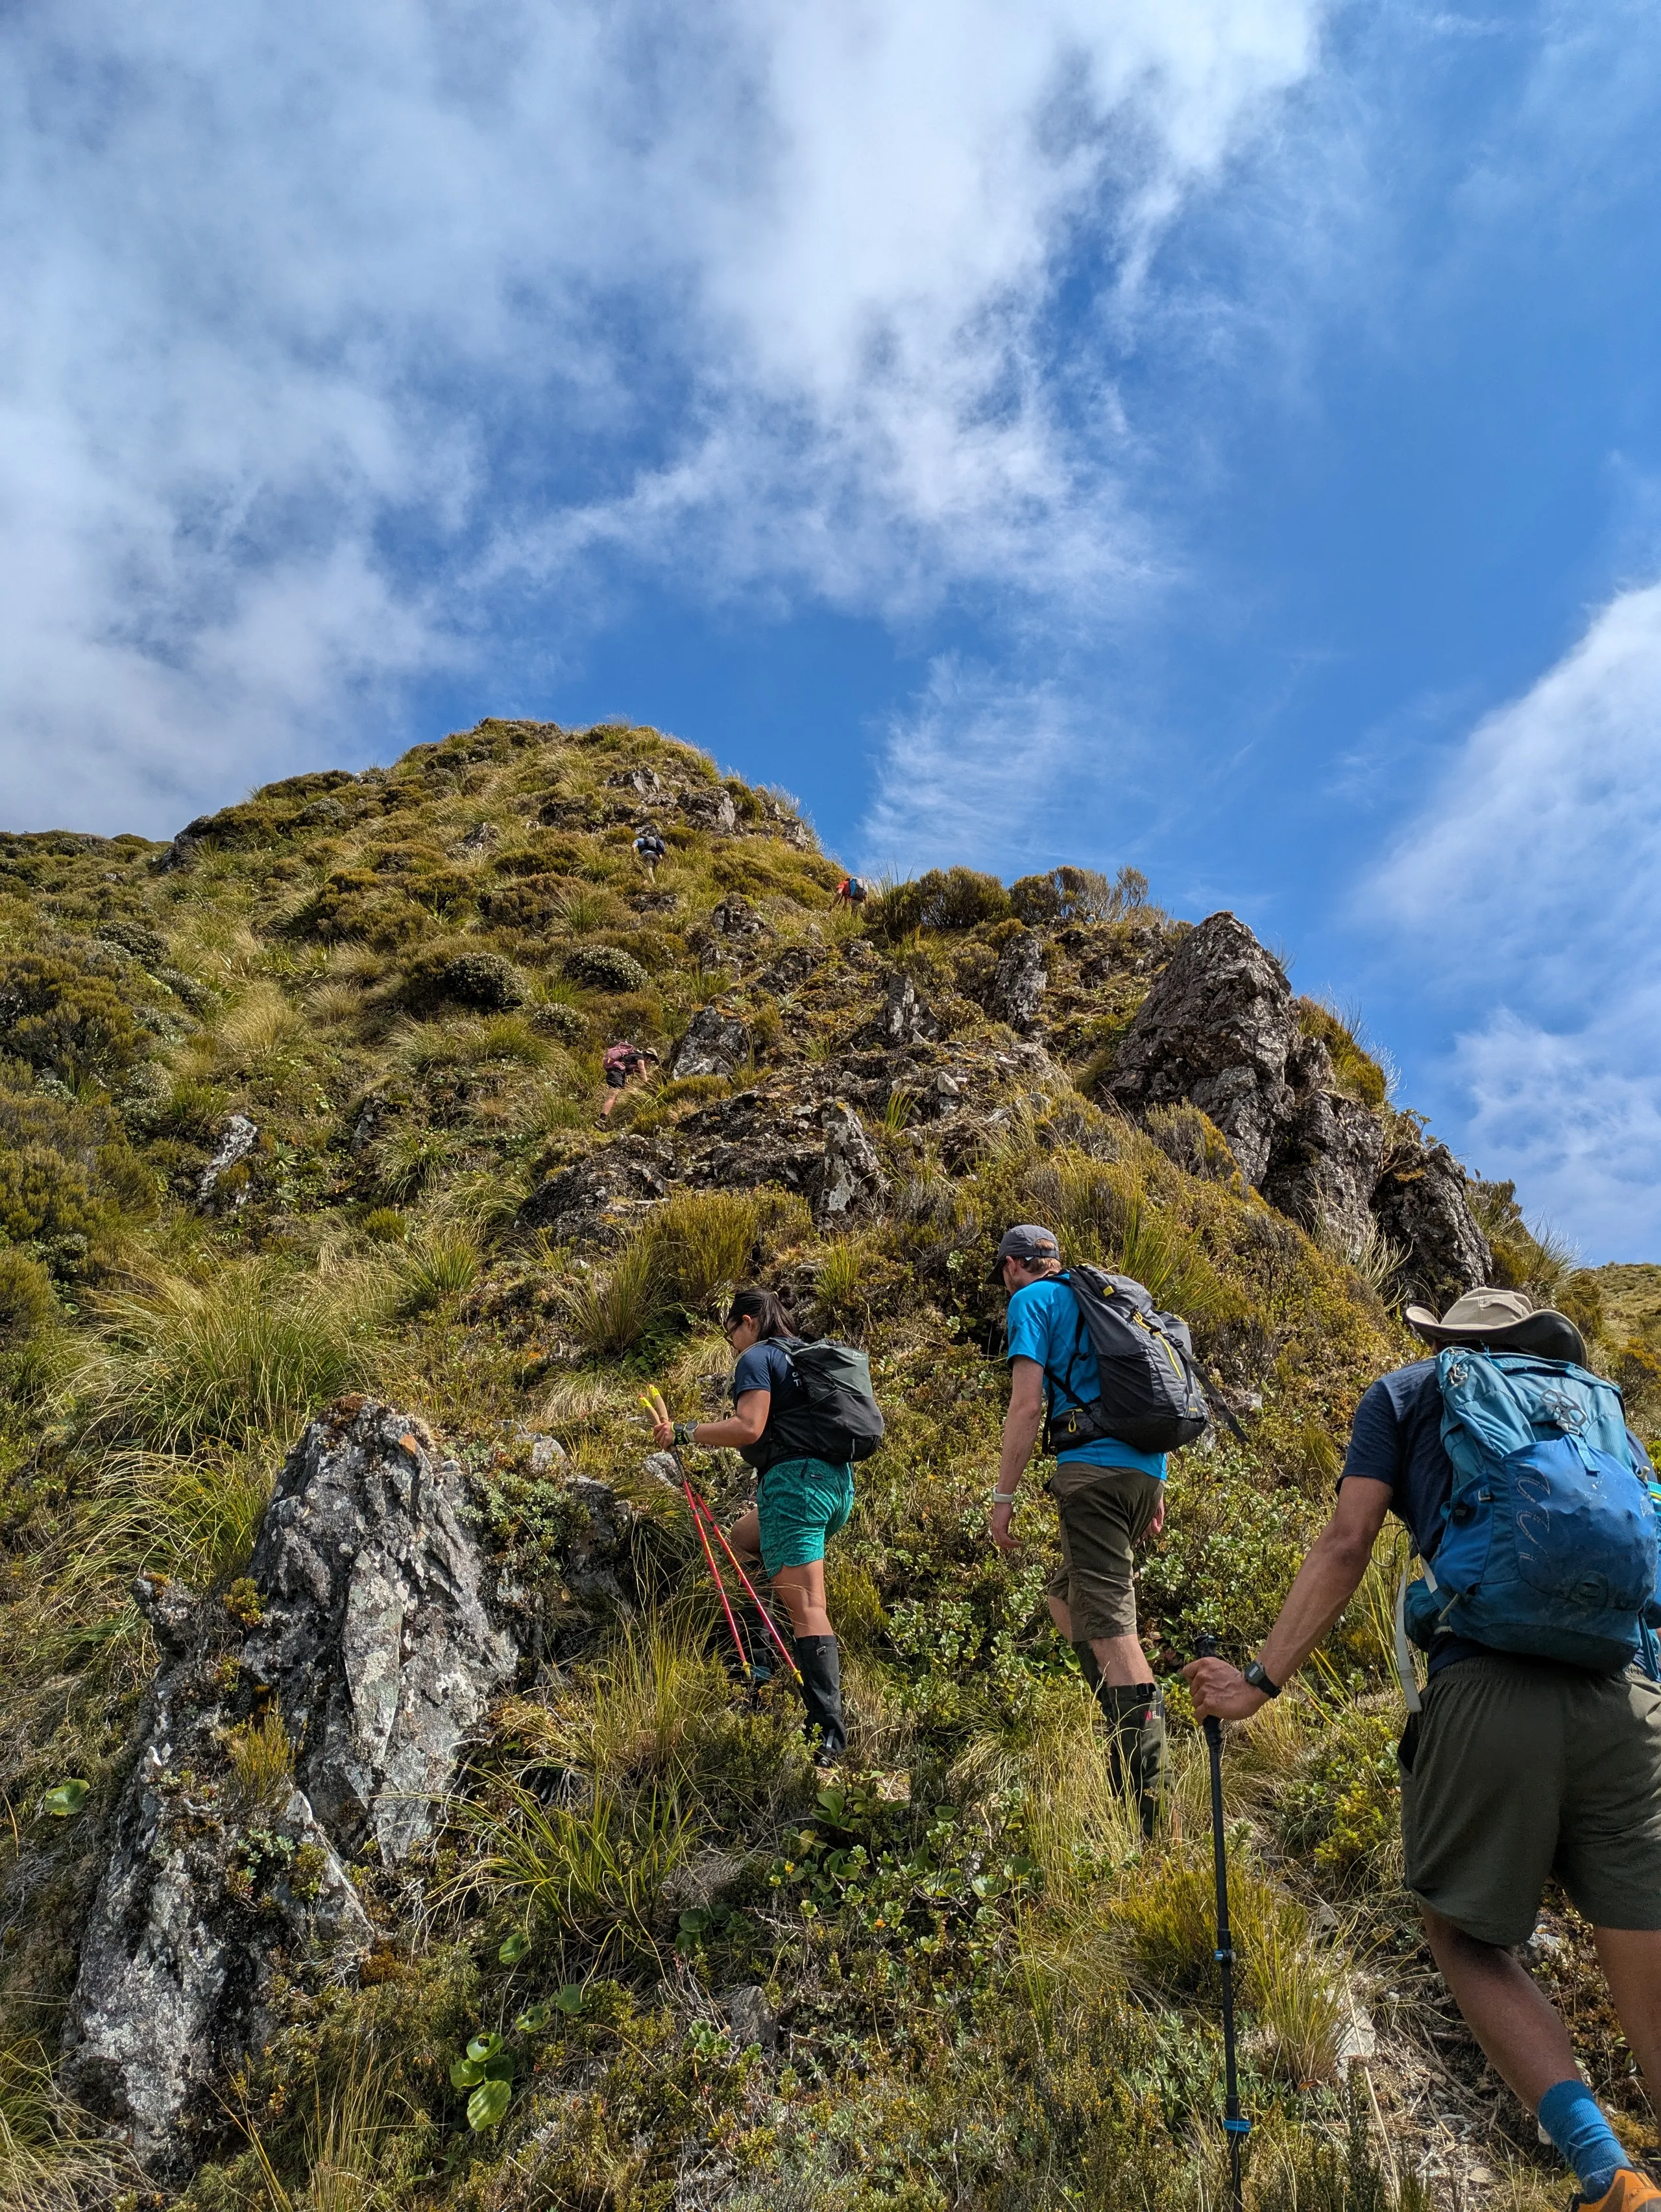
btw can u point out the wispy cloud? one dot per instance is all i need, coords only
(328, 325)
(1525, 888)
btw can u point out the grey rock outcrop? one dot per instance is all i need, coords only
(1326, 1157)
(1018, 982)
(715, 1043)
(1215, 1029)
(1422, 1206)
(209, 1890)
(850, 1176)
(237, 1140)
(711, 808)
(904, 1018)
(373, 1642)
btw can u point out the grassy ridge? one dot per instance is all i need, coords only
(990, 1994)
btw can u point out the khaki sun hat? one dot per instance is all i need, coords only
(1504, 1319)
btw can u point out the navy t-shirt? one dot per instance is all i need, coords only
(766, 1366)
(1396, 1439)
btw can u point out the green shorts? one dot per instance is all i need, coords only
(800, 1502)
(1518, 1769)
(1105, 1511)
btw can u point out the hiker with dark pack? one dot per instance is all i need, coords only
(620, 1065)
(649, 849)
(1110, 1411)
(1534, 1751)
(851, 892)
(802, 1414)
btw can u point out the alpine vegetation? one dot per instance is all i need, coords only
(684, 1533)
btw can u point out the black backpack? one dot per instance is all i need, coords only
(841, 1420)
(1151, 1395)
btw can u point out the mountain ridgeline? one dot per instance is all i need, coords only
(386, 1827)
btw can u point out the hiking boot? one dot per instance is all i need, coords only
(820, 1663)
(1135, 1713)
(1624, 2194)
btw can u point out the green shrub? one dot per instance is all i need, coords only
(482, 979)
(1067, 895)
(950, 898)
(1192, 1141)
(58, 1017)
(27, 1305)
(44, 1197)
(604, 967)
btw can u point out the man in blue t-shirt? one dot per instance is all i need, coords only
(1109, 1496)
(1516, 1769)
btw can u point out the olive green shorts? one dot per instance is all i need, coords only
(1518, 1769)
(798, 1503)
(1105, 1511)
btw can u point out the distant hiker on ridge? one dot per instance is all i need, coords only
(851, 893)
(649, 849)
(1535, 1749)
(622, 1062)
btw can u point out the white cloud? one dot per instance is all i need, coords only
(1525, 887)
(325, 323)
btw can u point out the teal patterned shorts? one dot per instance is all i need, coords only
(799, 1503)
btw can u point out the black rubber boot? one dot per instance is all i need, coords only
(820, 1662)
(1088, 1668)
(1135, 1713)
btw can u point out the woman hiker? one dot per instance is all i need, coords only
(800, 1502)
(622, 1062)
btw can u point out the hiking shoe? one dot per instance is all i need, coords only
(1624, 2194)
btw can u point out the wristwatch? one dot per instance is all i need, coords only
(1255, 1675)
(683, 1432)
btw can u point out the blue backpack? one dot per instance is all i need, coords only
(1550, 1528)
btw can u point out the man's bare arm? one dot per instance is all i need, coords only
(1021, 1424)
(1329, 1577)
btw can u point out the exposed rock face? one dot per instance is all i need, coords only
(1216, 1029)
(1020, 981)
(715, 1043)
(1326, 1164)
(851, 1175)
(208, 1892)
(237, 1139)
(375, 1644)
(904, 1018)
(1421, 1204)
(710, 808)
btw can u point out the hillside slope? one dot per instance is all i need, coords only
(300, 1153)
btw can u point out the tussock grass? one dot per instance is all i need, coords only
(609, 1310)
(443, 1264)
(595, 1877)
(251, 1353)
(192, 1516)
(703, 1243)
(262, 1759)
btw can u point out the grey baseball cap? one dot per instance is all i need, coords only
(1026, 1240)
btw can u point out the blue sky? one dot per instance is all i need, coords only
(1221, 435)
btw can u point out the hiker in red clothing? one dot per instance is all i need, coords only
(622, 1063)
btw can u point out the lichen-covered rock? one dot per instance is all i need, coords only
(211, 1888)
(597, 1200)
(373, 1642)
(709, 807)
(1325, 1166)
(237, 1140)
(1215, 1029)
(1422, 1206)
(1020, 981)
(904, 1018)
(715, 1043)
(850, 1176)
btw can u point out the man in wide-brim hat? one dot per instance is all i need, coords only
(1516, 1769)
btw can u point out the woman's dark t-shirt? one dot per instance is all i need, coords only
(766, 1366)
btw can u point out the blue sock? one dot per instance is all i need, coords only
(1574, 2120)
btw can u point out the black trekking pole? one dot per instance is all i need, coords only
(1238, 2128)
